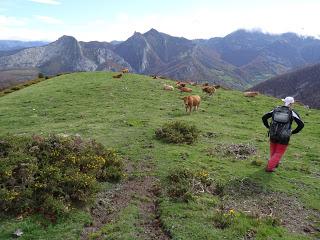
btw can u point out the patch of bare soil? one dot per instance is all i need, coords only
(248, 197)
(109, 204)
(238, 151)
(149, 213)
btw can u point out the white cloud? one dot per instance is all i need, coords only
(26, 34)
(196, 23)
(206, 23)
(48, 20)
(13, 28)
(52, 2)
(6, 21)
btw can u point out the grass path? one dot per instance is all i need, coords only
(142, 191)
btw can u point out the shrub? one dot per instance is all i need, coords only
(52, 173)
(40, 75)
(4, 148)
(219, 188)
(16, 88)
(183, 184)
(223, 219)
(7, 91)
(179, 184)
(178, 132)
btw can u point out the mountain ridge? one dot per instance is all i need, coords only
(239, 60)
(303, 84)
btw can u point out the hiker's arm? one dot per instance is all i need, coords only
(299, 122)
(265, 119)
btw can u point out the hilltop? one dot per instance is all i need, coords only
(124, 114)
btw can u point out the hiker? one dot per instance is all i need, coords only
(280, 130)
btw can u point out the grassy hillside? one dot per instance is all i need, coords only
(124, 114)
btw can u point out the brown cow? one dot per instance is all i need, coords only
(209, 90)
(125, 70)
(192, 101)
(185, 89)
(117, 76)
(250, 94)
(181, 84)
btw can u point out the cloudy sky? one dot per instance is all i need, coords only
(106, 20)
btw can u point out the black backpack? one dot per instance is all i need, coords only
(280, 128)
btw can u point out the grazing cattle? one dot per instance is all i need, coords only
(117, 76)
(191, 83)
(209, 90)
(168, 87)
(185, 89)
(216, 86)
(250, 94)
(205, 84)
(192, 101)
(181, 84)
(125, 70)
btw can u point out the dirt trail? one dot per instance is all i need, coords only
(110, 203)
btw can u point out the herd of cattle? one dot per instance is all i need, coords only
(191, 101)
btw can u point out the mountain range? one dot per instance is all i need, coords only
(238, 60)
(8, 45)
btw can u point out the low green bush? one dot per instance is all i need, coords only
(183, 184)
(223, 219)
(16, 88)
(7, 91)
(52, 173)
(177, 132)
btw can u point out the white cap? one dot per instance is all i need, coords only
(288, 100)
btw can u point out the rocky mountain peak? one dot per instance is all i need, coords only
(66, 40)
(152, 31)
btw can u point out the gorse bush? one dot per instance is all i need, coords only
(54, 173)
(179, 185)
(178, 132)
(223, 219)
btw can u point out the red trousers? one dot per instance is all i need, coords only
(276, 152)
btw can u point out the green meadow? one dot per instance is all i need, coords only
(124, 114)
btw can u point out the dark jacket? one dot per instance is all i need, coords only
(295, 117)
